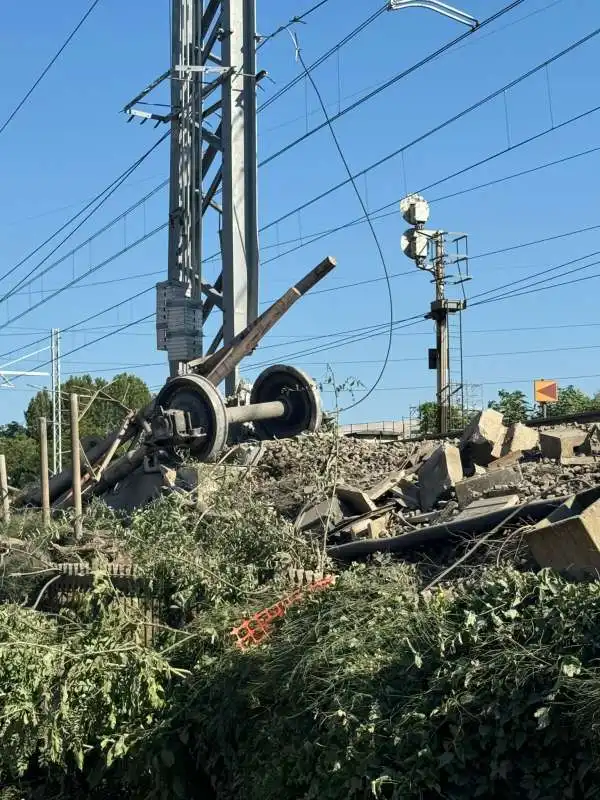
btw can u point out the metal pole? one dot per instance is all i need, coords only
(4, 490)
(76, 465)
(240, 236)
(56, 403)
(441, 336)
(185, 203)
(44, 472)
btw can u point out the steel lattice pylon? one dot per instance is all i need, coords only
(212, 74)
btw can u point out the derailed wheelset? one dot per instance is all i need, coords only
(284, 402)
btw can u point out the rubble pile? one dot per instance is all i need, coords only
(292, 471)
(351, 490)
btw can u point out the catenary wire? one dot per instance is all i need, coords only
(47, 68)
(394, 80)
(102, 198)
(28, 282)
(442, 125)
(371, 228)
(479, 163)
(382, 213)
(75, 280)
(336, 48)
(293, 21)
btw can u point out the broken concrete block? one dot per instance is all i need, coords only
(385, 486)
(135, 491)
(519, 437)
(247, 454)
(357, 501)
(378, 527)
(424, 451)
(486, 505)
(441, 471)
(406, 494)
(315, 518)
(425, 518)
(561, 442)
(472, 488)
(578, 461)
(483, 437)
(505, 461)
(369, 528)
(169, 477)
(569, 539)
(591, 444)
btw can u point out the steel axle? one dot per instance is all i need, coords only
(284, 402)
(257, 412)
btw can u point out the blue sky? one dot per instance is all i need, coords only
(69, 141)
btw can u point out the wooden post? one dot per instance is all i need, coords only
(4, 490)
(44, 477)
(76, 465)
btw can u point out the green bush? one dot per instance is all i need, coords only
(487, 688)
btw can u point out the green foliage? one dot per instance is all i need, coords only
(371, 689)
(74, 692)
(428, 418)
(513, 405)
(222, 557)
(11, 430)
(22, 459)
(571, 401)
(105, 414)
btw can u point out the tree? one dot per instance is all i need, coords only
(22, 458)
(512, 405)
(570, 401)
(106, 412)
(428, 418)
(11, 430)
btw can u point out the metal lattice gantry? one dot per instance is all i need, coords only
(213, 169)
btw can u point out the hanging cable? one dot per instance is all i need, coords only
(335, 49)
(370, 224)
(493, 95)
(394, 80)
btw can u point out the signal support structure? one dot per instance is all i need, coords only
(427, 248)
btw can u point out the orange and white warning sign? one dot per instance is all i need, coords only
(546, 391)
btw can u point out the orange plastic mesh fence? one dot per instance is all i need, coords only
(252, 631)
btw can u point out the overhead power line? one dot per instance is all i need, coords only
(90, 271)
(101, 198)
(28, 282)
(465, 112)
(359, 335)
(46, 69)
(371, 228)
(77, 325)
(395, 79)
(514, 285)
(336, 48)
(382, 213)
(359, 93)
(293, 21)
